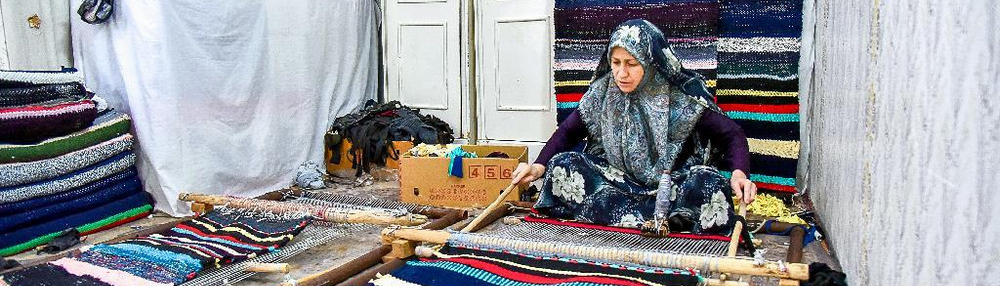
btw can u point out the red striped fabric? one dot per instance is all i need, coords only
(225, 237)
(535, 279)
(762, 108)
(46, 107)
(569, 97)
(623, 230)
(775, 187)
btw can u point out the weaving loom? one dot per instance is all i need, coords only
(704, 258)
(317, 233)
(549, 232)
(706, 265)
(348, 210)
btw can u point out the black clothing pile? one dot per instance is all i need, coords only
(821, 274)
(372, 130)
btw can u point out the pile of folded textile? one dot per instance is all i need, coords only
(66, 161)
(171, 257)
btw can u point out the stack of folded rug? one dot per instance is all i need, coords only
(66, 161)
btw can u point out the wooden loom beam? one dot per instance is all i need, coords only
(734, 265)
(734, 241)
(432, 212)
(319, 212)
(796, 235)
(475, 224)
(490, 218)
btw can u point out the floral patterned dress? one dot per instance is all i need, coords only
(585, 188)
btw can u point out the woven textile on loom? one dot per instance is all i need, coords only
(480, 266)
(633, 231)
(173, 256)
(583, 28)
(106, 126)
(37, 122)
(758, 83)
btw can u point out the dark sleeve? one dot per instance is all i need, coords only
(727, 136)
(571, 132)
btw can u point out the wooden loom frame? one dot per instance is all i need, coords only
(788, 275)
(440, 219)
(395, 249)
(361, 269)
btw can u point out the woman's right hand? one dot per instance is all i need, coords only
(525, 173)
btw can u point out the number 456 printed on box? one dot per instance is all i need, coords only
(490, 172)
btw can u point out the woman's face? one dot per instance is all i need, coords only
(627, 70)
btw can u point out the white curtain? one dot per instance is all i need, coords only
(229, 97)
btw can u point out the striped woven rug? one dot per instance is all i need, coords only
(583, 28)
(758, 60)
(747, 49)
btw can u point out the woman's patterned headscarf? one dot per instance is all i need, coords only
(642, 132)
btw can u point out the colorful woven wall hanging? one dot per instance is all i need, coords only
(583, 27)
(758, 83)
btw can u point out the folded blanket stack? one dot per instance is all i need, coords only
(66, 161)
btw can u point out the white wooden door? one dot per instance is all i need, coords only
(514, 56)
(41, 43)
(423, 57)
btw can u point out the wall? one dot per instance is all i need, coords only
(44, 48)
(903, 162)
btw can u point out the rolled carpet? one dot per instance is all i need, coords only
(30, 78)
(87, 221)
(106, 126)
(39, 202)
(41, 214)
(21, 96)
(13, 174)
(38, 122)
(67, 182)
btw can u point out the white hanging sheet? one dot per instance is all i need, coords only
(229, 97)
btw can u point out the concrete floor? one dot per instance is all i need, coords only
(335, 253)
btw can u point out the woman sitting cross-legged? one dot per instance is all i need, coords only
(644, 117)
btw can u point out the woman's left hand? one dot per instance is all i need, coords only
(745, 189)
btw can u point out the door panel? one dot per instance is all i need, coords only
(27, 47)
(515, 70)
(423, 65)
(423, 57)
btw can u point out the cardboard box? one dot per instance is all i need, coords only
(425, 180)
(345, 161)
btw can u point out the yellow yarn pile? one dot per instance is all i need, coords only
(425, 150)
(771, 207)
